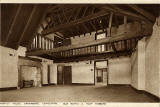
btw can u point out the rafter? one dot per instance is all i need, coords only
(13, 23)
(76, 22)
(93, 26)
(27, 25)
(84, 12)
(85, 27)
(143, 12)
(122, 12)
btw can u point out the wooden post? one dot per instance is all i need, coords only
(110, 23)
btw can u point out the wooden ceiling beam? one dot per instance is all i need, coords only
(117, 37)
(13, 23)
(93, 26)
(85, 27)
(27, 25)
(122, 12)
(76, 22)
(143, 12)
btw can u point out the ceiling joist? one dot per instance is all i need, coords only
(76, 22)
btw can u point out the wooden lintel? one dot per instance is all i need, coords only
(76, 22)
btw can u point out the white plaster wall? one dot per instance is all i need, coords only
(101, 64)
(134, 69)
(8, 67)
(141, 64)
(120, 71)
(152, 62)
(53, 74)
(82, 72)
(21, 51)
(138, 66)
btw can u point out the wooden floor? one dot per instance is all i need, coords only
(75, 94)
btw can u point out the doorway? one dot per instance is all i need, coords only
(64, 75)
(48, 73)
(101, 73)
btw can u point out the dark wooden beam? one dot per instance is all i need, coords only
(13, 23)
(27, 25)
(93, 26)
(84, 12)
(85, 27)
(122, 12)
(41, 20)
(143, 12)
(91, 56)
(117, 37)
(76, 22)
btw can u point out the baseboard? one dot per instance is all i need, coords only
(157, 99)
(8, 88)
(83, 84)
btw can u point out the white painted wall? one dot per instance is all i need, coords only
(141, 64)
(134, 69)
(53, 74)
(21, 51)
(138, 66)
(120, 70)
(146, 69)
(8, 67)
(83, 72)
(152, 62)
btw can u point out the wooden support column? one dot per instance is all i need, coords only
(110, 23)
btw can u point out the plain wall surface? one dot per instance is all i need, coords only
(134, 69)
(8, 67)
(152, 61)
(120, 70)
(83, 72)
(138, 66)
(146, 63)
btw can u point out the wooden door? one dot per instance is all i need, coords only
(60, 74)
(67, 75)
(48, 74)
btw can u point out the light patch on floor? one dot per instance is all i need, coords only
(75, 94)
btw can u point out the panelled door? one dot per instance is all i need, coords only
(67, 75)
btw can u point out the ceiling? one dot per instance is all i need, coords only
(21, 21)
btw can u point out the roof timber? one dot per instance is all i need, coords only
(116, 37)
(76, 22)
(120, 11)
(143, 12)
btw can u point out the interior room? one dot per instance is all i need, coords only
(80, 53)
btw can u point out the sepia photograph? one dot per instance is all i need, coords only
(80, 52)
